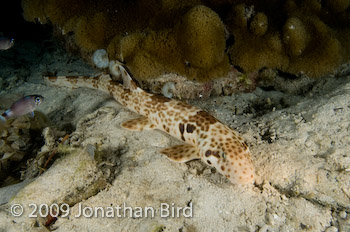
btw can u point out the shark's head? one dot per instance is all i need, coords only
(230, 155)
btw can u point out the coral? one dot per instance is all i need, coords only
(301, 38)
(295, 36)
(124, 48)
(201, 37)
(144, 66)
(259, 24)
(337, 6)
(151, 37)
(189, 37)
(158, 54)
(17, 140)
(90, 34)
(34, 11)
(321, 56)
(195, 48)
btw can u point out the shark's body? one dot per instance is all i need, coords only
(206, 137)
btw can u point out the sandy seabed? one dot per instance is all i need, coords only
(113, 179)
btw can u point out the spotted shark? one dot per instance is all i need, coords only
(204, 136)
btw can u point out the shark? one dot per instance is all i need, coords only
(204, 137)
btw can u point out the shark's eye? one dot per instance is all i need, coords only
(223, 155)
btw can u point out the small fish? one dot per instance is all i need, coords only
(25, 105)
(6, 43)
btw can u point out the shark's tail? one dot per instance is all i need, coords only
(98, 82)
(103, 82)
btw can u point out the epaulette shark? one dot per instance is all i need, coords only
(205, 137)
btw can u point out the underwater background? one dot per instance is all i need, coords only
(275, 71)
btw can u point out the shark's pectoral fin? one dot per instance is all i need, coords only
(138, 124)
(181, 153)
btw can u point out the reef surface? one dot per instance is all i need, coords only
(297, 131)
(202, 40)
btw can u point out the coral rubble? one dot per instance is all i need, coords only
(17, 139)
(190, 37)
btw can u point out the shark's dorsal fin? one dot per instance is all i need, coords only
(128, 82)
